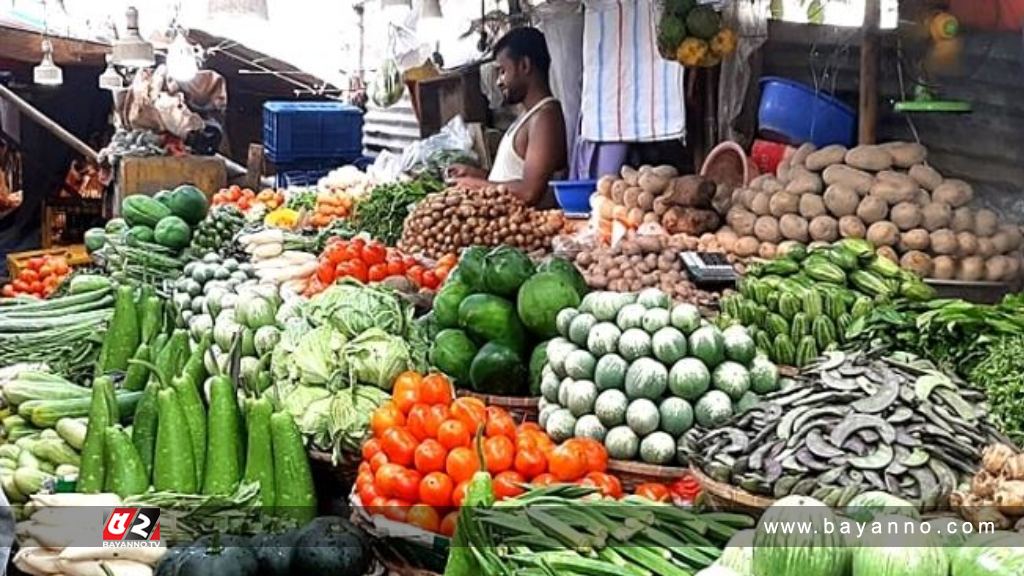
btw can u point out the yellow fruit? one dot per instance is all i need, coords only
(692, 51)
(724, 43)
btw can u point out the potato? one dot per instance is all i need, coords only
(943, 268)
(954, 192)
(905, 154)
(692, 191)
(722, 200)
(868, 157)
(841, 200)
(996, 268)
(761, 204)
(794, 227)
(726, 238)
(758, 182)
(1013, 236)
(767, 250)
(827, 156)
(857, 180)
(742, 197)
(967, 244)
(746, 247)
(986, 223)
(872, 209)
(635, 217)
(619, 213)
(766, 228)
(986, 248)
(801, 181)
(888, 252)
(800, 156)
(824, 229)
(905, 215)
(812, 205)
(917, 239)
(651, 218)
(604, 186)
(917, 262)
(661, 205)
(883, 233)
(852, 227)
(629, 175)
(925, 176)
(665, 171)
(618, 190)
(741, 221)
(963, 219)
(652, 183)
(1014, 263)
(971, 269)
(936, 215)
(772, 185)
(645, 201)
(944, 242)
(923, 198)
(631, 197)
(783, 203)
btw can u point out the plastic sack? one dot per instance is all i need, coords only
(453, 144)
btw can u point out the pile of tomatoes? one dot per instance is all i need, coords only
(244, 199)
(374, 262)
(423, 452)
(40, 277)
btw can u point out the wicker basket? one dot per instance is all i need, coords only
(521, 409)
(632, 474)
(721, 496)
(403, 549)
(333, 479)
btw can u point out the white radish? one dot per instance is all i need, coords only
(148, 556)
(94, 568)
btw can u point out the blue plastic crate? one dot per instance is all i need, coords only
(300, 131)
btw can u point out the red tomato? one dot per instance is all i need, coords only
(396, 268)
(36, 287)
(28, 275)
(407, 485)
(350, 251)
(409, 261)
(36, 263)
(46, 270)
(8, 291)
(325, 272)
(378, 272)
(415, 274)
(374, 253)
(654, 491)
(430, 280)
(508, 484)
(360, 271)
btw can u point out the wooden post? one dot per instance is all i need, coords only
(869, 56)
(254, 167)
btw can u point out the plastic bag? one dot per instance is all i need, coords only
(387, 86)
(453, 144)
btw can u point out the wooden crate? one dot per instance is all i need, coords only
(151, 175)
(74, 254)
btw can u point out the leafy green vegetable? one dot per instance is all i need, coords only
(1001, 372)
(383, 213)
(352, 308)
(377, 358)
(317, 357)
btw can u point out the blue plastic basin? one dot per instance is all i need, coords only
(573, 196)
(794, 113)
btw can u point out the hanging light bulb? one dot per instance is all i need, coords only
(47, 73)
(110, 79)
(181, 59)
(395, 10)
(430, 26)
(132, 51)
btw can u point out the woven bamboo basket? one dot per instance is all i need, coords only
(632, 474)
(520, 408)
(340, 477)
(721, 496)
(403, 549)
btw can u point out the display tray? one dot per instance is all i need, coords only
(522, 409)
(631, 474)
(722, 496)
(978, 292)
(402, 548)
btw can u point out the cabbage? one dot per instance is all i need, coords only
(352, 308)
(317, 357)
(376, 358)
(300, 398)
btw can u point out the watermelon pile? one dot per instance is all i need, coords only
(635, 372)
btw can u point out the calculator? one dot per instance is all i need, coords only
(708, 268)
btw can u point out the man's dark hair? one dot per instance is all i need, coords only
(526, 42)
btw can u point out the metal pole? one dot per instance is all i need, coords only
(45, 121)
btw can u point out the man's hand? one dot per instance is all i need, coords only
(456, 171)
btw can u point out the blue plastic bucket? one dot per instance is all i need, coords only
(794, 113)
(573, 196)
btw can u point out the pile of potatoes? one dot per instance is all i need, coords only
(657, 195)
(885, 193)
(643, 261)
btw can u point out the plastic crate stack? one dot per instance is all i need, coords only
(306, 140)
